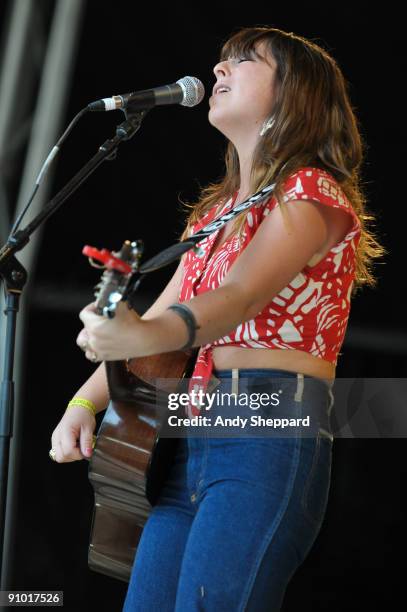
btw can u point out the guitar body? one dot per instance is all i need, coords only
(130, 461)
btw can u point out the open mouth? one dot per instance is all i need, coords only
(220, 88)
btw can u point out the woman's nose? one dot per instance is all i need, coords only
(221, 68)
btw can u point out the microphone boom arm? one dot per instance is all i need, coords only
(107, 150)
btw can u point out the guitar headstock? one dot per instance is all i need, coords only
(119, 277)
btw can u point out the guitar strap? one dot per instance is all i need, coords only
(213, 226)
(175, 251)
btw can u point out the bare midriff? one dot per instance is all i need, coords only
(228, 357)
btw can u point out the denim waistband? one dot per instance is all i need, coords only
(254, 371)
(304, 385)
(271, 372)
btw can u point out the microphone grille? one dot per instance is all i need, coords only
(193, 89)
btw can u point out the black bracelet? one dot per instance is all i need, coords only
(189, 318)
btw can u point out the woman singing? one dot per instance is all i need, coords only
(267, 301)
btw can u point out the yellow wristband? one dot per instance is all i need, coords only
(80, 401)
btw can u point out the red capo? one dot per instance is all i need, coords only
(106, 257)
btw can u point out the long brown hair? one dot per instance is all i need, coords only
(314, 125)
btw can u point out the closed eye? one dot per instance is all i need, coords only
(238, 60)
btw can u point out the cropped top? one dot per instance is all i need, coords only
(311, 313)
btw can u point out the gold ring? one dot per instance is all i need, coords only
(52, 454)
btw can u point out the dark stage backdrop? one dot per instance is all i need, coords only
(127, 46)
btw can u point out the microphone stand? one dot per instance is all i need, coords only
(14, 277)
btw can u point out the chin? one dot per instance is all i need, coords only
(218, 121)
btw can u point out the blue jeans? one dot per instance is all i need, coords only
(237, 516)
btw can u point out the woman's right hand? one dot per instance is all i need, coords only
(72, 438)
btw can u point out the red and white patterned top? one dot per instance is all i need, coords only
(311, 313)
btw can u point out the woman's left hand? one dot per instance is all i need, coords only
(105, 339)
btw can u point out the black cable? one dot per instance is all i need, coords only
(45, 167)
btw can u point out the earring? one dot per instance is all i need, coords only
(267, 125)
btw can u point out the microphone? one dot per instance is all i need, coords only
(187, 91)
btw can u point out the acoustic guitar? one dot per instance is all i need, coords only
(130, 461)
